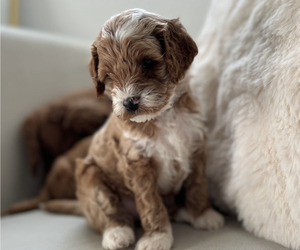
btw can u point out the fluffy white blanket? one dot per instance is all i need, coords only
(247, 75)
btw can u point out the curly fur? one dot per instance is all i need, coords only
(152, 154)
(247, 79)
(54, 128)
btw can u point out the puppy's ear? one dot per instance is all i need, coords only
(178, 47)
(100, 87)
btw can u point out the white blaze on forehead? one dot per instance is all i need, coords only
(130, 27)
(127, 27)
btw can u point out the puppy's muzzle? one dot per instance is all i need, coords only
(132, 103)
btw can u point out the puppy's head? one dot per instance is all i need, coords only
(139, 58)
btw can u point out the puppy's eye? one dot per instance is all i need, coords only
(108, 76)
(148, 63)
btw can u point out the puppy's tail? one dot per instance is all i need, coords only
(27, 205)
(62, 206)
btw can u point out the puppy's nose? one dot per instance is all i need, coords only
(132, 103)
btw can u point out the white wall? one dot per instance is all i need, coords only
(84, 18)
(36, 68)
(4, 11)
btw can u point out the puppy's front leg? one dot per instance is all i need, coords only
(198, 210)
(152, 211)
(102, 207)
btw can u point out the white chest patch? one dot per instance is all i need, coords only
(178, 137)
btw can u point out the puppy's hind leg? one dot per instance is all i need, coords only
(103, 208)
(198, 211)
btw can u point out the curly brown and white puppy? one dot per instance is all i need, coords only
(151, 150)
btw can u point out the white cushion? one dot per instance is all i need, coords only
(36, 68)
(39, 230)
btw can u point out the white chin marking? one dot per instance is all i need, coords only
(148, 117)
(143, 118)
(148, 99)
(117, 237)
(159, 240)
(209, 220)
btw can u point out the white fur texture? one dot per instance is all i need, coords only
(128, 29)
(180, 133)
(210, 219)
(177, 138)
(117, 237)
(149, 101)
(156, 241)
(247, 76)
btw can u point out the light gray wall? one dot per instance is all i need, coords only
(36, 68)
(84, 18)
(4, 12)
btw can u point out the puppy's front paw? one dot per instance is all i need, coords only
(156, 241)
(209, 220)
(117, 237)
